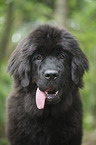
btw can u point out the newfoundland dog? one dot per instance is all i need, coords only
(44, 107)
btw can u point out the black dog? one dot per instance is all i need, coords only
(44, 107)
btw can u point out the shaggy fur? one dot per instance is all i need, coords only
(50, 59)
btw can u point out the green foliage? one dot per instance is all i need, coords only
(5, 86)
(32, 11)
(4, 141)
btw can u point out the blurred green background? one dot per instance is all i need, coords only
(19, 17)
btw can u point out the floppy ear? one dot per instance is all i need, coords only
(78, 66)
(19, 65)
(79, 62)
(24, 71)
(19, 68)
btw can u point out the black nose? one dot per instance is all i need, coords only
(51, 74)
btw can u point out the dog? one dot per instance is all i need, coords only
(44, 106)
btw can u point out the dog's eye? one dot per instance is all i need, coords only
(61, 56)
(39, 57)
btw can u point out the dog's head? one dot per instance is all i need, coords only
(51, 58)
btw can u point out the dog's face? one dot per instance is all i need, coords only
(51, 72)
(50, 58)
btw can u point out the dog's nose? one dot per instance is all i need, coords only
(51, 74)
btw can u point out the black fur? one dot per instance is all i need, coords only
(44, 49)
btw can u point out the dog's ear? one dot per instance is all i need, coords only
(79, 62)
(19, 65)
(24, 73)
(78, 66)
(25, 81)
(19, 68)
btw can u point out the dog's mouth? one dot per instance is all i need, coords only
(50, 96)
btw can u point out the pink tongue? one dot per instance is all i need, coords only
(40, 99)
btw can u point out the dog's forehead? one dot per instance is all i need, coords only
(56, 50)
(47, 37)
(47, 32)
